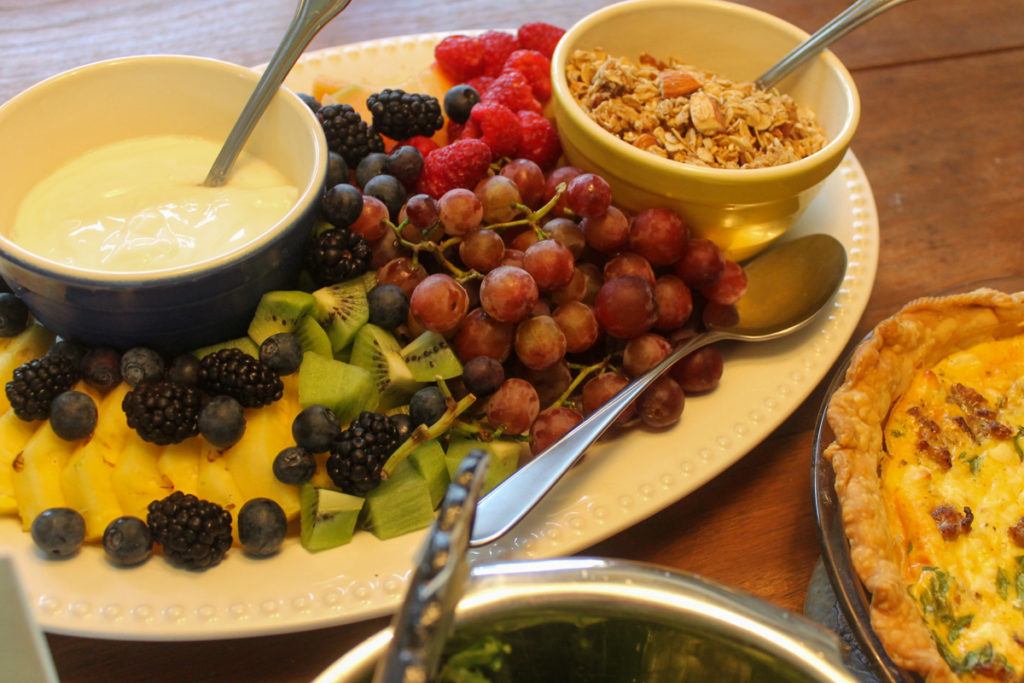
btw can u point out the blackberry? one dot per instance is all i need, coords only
(360, 451)
(232, 372)
(401, 115)
(163, 412)
(36, 383)
(347, 133)
(194, 533)
(337, 255)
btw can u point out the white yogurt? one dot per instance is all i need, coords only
(139, 205)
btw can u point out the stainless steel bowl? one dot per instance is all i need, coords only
(648, 623)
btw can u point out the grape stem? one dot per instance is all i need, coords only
(585, 371)
(423, 434)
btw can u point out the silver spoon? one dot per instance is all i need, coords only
(844, 22)
(310, 16)
(787, 287)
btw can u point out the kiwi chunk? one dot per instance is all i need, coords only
(279, 311)
(244, 343)
(428, 356)
(344, 388)
(312, 337)
(505, 455)
(400, 504)
(429, 461)
(341, 309)
(376, 350)
(327, 518)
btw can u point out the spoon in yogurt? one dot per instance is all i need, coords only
(310, 16)
(787, 286)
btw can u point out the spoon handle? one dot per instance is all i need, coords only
(844, 22)
(510, 500)
(310, 17)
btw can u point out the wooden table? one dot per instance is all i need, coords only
(940, 140)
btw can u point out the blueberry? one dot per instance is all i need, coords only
(337, 169)
(127, 541)
(370, 166)
(458, 102)
(140, 364)
(58, 531)
(311, 102)
(63, 348)
(389, 190)
(73, 415)
(403, 423)
(221, 421)
(101, 367)
(262, 526)
(406, 164)
(482, 375)
(389, 306)
(342, 204)
(13, 315)
(315, 427)
(294, 466)
(282, 352)
(184, 369)
(427, 406)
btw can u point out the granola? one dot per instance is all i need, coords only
(682, 113)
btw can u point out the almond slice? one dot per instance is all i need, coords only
(677, 83)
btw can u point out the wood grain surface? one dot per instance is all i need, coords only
(940, 141)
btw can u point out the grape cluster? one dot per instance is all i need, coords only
(553, 297)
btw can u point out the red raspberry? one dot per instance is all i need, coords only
(463, 163)
(454, 131)
(499, 126)
(480, 84)
(470, 129)
(497, 46)
(540, 140)
(461, 57)
(540, 37)
(513, 90)
(537, 69)
(424, 144)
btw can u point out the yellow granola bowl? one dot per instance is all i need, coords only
(742, 210)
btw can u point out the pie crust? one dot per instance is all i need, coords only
(917, 337)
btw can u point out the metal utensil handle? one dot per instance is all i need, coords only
(310, 17)
(844, 22)
(510, 500)
(439, 574)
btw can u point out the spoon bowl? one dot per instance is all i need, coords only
(787, 287)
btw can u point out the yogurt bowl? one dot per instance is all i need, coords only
(203, 297)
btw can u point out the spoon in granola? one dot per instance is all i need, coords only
(787, 286)
(844, 22)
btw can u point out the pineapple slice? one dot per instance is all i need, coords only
(137, 481)
(29, 345)
(250, 461)
(179, 463)
(215, 481)
(14, 434)
(37, 473)
(87, 479)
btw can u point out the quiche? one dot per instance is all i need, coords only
(928, 454)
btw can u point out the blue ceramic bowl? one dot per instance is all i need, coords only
(177, 308)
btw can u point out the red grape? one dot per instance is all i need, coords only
(574, 291)
(644, 352)
(439, 302)
(563, 174)
(551, 425)
(402, 272)
(579, 324)
(550, 382)
(698, 371)
(529, 178)
(524, 240)
(384, 250)
(628, 263)
(422, 211)
(481, 335)
(508, 293)
(599, 389)
(625, 306)
(594, 277)
(482, 250)
(659, 235)
(701, 265)
(550, 263)
(588, 195)
(607, 233)
(513, 406)
(482, 375)
(371, 223)
(460, 211)
(675, 302)
(513, 257)
(729, 288)
(499, 196)
(540, 342)
(568, 233)
(661, 404)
